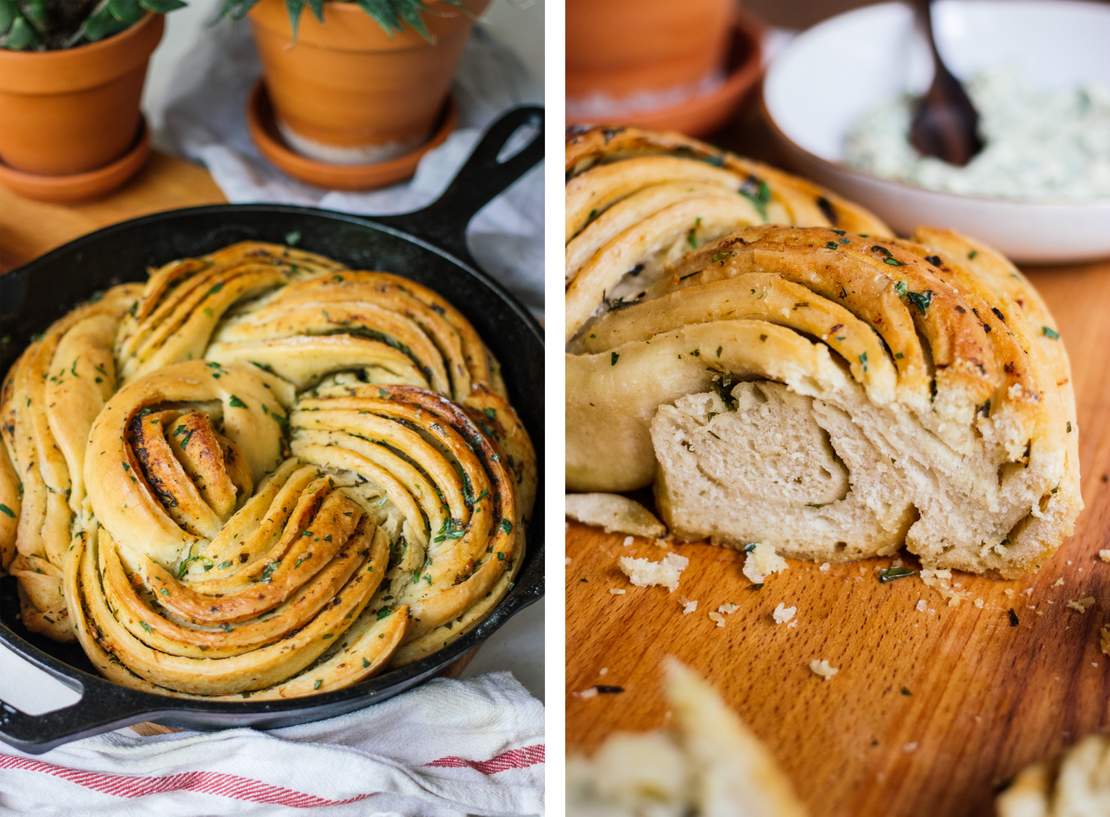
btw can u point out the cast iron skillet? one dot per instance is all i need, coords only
(428, 246)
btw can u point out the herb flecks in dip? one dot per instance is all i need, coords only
(1040, 145)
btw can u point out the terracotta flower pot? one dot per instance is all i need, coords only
(347, 92)
(617, 48)
(72, 111)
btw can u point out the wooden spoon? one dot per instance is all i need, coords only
(945, 124)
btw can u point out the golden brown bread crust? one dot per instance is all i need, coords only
(637, 201)
(807, 203)
(308, 473)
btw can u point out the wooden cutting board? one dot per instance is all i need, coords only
(30, 228)
(930, 711)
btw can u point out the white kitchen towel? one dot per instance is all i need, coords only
(205, 121)
(445, 749)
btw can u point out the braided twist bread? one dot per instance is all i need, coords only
(835, 394)
(300, 475)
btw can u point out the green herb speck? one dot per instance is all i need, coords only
(891, 573)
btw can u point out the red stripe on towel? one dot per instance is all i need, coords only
(216, 783)
(244, 788)
(513, 759)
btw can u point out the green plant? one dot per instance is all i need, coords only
(45, 25)
(391, 15)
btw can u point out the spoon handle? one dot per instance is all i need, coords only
(924, 9)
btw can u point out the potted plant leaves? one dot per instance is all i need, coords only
(359, 85)
(71, 77)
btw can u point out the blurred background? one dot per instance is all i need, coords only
(841, 93)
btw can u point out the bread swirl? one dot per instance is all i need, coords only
(835, 394)
(306, 474)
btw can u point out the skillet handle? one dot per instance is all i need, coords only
(483, 176)
(101, 707)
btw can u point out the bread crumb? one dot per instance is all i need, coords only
(1104, 639)
(586, 694)
(568, 560)
(1104, 555)
(689, 606)
(824, 568)
(603, 672)
(762, 562)
(980, 603)
(1082, 604)
(728, 609)
(783, 614)
(646, 573)
(941, 581)
(823, 668)
(1059, 582)
(628, 540)
(910, 747)
(613, 513)
(921, 606)
(717, 619)
(617, 591)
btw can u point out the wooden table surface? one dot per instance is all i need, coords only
(930, 712)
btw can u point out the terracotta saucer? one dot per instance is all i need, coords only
(264, 132)
(80, 186)
(704, 113)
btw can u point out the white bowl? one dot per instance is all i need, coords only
(819, 85)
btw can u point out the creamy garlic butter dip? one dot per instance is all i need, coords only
(1040, 145)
